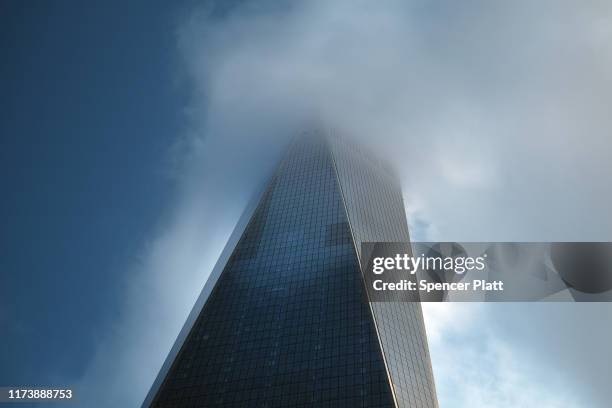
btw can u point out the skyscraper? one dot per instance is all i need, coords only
(284, 320)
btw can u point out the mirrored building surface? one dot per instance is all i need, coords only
(285, 321)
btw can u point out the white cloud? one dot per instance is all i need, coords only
(500, 109)
(478, 363)
(496, 115)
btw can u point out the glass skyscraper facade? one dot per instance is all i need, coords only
(287, 322)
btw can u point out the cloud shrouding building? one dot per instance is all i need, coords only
(284, 319)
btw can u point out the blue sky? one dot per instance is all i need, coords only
(133, 134)
(89, 109)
